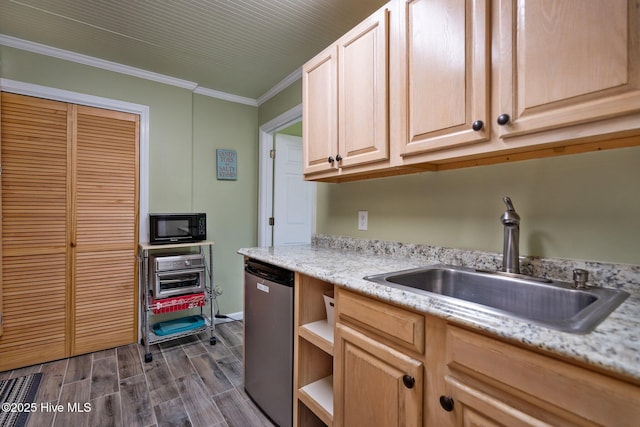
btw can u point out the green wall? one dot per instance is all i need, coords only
(184, 131)
(293, 130)
(169, 116)
(231, 206)
(282, 102)
(584, 206)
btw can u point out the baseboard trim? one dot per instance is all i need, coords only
(230, 317)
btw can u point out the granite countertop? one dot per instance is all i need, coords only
(613, 346)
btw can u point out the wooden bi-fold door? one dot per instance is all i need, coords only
(104, 233)
(69, 229)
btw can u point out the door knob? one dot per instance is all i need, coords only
(330, 160)
(477, 125)
(447, 403)
(408, 381)
(338, 157)
(503, 119)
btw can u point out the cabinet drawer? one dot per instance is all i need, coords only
(557, 386)
(394, 324)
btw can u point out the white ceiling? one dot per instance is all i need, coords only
(239, 47)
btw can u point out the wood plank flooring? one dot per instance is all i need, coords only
(188, 383)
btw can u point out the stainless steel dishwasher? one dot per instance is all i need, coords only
(268, 339)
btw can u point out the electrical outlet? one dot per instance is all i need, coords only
(363, 220)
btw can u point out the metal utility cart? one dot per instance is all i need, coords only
(152, 306)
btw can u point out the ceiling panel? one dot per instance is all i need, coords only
(241, 47)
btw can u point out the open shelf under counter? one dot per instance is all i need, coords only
(318, 396)
(320, 334)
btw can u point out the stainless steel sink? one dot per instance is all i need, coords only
(556, 305)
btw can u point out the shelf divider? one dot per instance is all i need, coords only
(320, 334)
(318, 397)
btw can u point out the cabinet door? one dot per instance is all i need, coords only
(375, 385)
(363, 92)
(104, 239)
(443, 84)
(474, 407)
(564, 63)
(34, 223)
(486, 374)
(320, 111)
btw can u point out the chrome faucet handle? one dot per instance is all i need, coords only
(580, 278)
(510, 217)
(507, 201)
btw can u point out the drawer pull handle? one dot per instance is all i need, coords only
(477, 125)
(447, 403)
(338, 157)
(408, 381)
(330, 160)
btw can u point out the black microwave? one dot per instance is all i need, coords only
(167, 228)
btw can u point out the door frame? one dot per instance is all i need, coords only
(265, 173)
(29, 89)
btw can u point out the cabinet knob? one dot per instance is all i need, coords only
(503, 119)
(330, 160)
(447, 403)
(408, 381)
(338, 157)
(477, 125)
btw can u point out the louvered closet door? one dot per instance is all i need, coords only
(34, 152)
(105, 235)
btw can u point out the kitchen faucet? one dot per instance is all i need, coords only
(511, 252)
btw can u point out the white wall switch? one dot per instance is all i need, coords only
(363, 220)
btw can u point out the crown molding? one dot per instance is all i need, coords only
(93, 62)
(66, 55)
(225, 96)
(282, 85)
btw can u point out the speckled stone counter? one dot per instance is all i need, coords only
(614, 345)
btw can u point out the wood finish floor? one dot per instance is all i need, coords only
(188, 383)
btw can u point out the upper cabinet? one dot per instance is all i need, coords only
(443, 80)
(562, 63)
(320, 111)
(345, 100)
(472, 82)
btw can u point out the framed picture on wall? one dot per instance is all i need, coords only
(226, 165)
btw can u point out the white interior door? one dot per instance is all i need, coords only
(293, 197)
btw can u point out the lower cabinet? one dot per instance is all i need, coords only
(376, 384)
(492, 383)
(312, 354)
(383, 365)
(474, 406)
(378, 367)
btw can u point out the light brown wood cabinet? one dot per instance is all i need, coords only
(565, 63)
(313, 354)
(562, 77)
(345, 101)
(443, 84)
(480, 82)
(374, 383)
(69, 230)
(492, 383)
(393, 366)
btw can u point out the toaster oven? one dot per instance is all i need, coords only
(174, 275)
